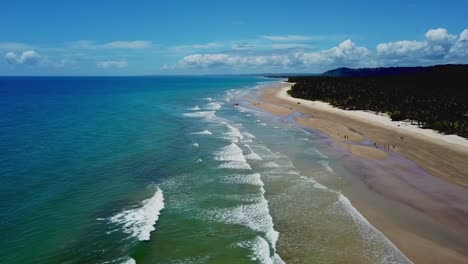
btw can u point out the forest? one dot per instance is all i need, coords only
(433, 97)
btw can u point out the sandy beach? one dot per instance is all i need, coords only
(412, 182)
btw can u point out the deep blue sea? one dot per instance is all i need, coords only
(167, 170)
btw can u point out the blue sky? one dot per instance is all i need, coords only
(212, 37)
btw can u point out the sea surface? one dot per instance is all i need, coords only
(168, 170)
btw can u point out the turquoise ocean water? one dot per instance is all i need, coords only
(167, 170)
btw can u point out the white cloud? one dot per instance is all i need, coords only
(206, 46)
(89, 44)
(243, 46)
(14, 46)
(137, 44)
(166, 67)
(112, 64)
(82, 44)
(440, 35)
(438, 47)
(185, 48)
(29, 57)
(400, 48)
(463, 35)
(289, 38)
(289, 45)
(346, 53)
(220, 60)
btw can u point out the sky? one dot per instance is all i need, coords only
(227, 37)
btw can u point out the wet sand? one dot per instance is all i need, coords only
(411, 187)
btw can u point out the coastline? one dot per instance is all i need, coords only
(421, 146)
(401, 197)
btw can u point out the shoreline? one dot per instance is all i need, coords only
(398, 193)
(406, 139)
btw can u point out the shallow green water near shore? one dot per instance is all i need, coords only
(167, 170)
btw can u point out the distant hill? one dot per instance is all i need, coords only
(287, 75)
(397, 71)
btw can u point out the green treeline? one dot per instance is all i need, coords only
(436, 97)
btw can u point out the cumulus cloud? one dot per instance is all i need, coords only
(112, 64)
(345, 53)
(440, 35)
(400, 48)
(29, 57)
(213, 60)
(438, 47)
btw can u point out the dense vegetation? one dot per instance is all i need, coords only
(433, 97)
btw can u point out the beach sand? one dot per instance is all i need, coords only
(411, 183)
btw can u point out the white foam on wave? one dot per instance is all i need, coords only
(245, 197)
(251, 179)
(255, 216)
(204, 132)
(123, 260)
(129, 261)
(235, 165)
(248, 135)
(139, 222)
(270, 164)
(233, 133)
(314, 152)
(252, 155)
(209, 99)
(212, 106)
(326, 164)
(368, 231)
(201, 114)
(230, 152)
(195, 108)
(195, 145)
(315, 184)
(261, 252)
(244, 110)
(233, 156)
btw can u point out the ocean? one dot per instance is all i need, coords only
(169, 170)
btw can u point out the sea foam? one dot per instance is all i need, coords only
(230, 152)
(261, 252)
(252, 155)
(213, 106)
(369, 232)
(204, 132)
(129, 261)
(233, 156)
(233, 133)
(139, 222)
(201, 114)
(196, 108)
(255, 216)
(251, 179)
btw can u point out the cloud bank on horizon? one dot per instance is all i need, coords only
(266, 53)
(438, 47)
